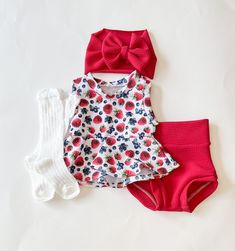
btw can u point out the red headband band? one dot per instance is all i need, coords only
(118, 51)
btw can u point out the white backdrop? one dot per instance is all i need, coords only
(42, 44)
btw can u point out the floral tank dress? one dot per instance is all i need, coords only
(110, 138)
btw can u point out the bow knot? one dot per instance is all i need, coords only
(123, 52)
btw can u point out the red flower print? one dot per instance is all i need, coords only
(99, 99)
(162, 170)
(147, 142)
(95, 143)
(97, 119)
(76, 122)
(108, 108)
(160, 162)
(87, 179)
(130, 173)
(142, 121)
(140, 87)
(161, 153)
(66, 161)
(144, 155)
(134, 130)
(119, 114)
(120, 127)
(147, 101)
(91, 83)
(131, 83)
(77, 141)
(79, 161)
(147, 129)
(95, 176)
(91, 129)
(102, 128)
(77, 80)
(98, 161)
(118, 156)
(110, 160)
(83, 102)
(121, 101)
(129, 105)
(138, 96)
(113, 169)
(91, 93)
(75, 154)
(78, 176)
(130, 153)
(127, 162)
(110, 96)
(110, 141)
(68, 148)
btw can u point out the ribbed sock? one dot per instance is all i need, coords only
(47, 160)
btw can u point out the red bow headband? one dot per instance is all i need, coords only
(118, 51)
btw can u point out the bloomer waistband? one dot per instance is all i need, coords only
(183, 132)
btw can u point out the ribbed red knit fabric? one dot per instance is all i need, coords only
(119, 51)
(191, 183)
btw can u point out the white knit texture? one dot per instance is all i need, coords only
(47, 160)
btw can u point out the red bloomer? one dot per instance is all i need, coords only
(195, 179)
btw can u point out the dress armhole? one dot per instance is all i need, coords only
(147, 105)
(72, 103)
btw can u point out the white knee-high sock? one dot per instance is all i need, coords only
(48, 157)
(41, 189)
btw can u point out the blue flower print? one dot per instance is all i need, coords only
(120, 166)
(139, 111)
(74, 88)
(108, 119)
(94, 108)
(141, 135)
(72, 168)
(136, 143)
(84, 110)
(86, 171)
(167, 162)
(129, 114)
(132, 121)
(87, 150)
(122, 147)
(124, 95)
(135, 165)
(88, 120)
(98, 135)
(111, 130)
(103, 149)
(122, 81)
(120, 137)
(79, 91)
(77, 133)
(66, 142)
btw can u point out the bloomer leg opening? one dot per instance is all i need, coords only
(199, 190)
(142, 192)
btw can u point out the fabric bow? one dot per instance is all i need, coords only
(115, 52)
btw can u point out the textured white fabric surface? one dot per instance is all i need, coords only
(42, 45)
(48, 158)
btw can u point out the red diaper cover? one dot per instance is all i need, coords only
(196, 179)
